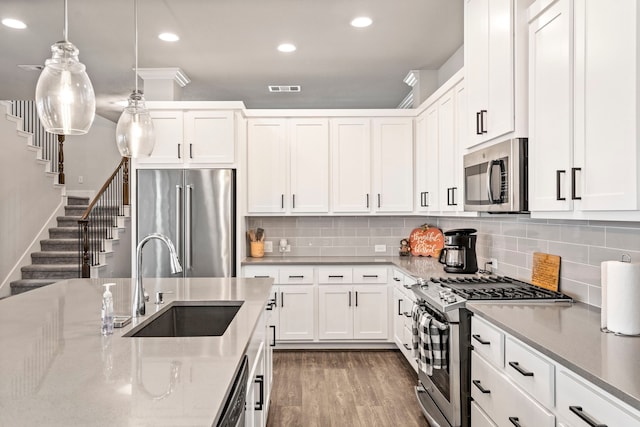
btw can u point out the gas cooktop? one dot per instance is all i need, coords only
(451, 292)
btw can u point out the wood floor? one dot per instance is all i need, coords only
(343, 388)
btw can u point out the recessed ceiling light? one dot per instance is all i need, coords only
(169, 37)
(286, 47)
(14, 23)
(361, 22)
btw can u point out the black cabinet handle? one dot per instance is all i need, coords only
(482, 116)
(558, 190)
(516, 366)
(573, 184)
(399, 309)
(349, 298)
(370, 276)
(338, 276)
(179, 151)
(478, 132)
(584, 417)
(407, 347)
(282, 201)
(293, 201)
(273, 343)
(453, 196)
(397, 279)
(480, 340)
(296, 277)
(448, 197)
(281, 299)
(260, 402)
(426, 199)
(356, 298)
(269, 306)
(515, 421)
(378, 199)
(261, 277)
(367, 200)
(482, 389)
(407, 314)
(191, 151)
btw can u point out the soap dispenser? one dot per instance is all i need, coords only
(107, 310)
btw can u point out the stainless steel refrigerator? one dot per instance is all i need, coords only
(195, 208)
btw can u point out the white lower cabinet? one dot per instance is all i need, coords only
(526, 388)
(260, 373)
(294, 309)
(403, 300)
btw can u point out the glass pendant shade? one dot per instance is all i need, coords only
(135, 136)
(65, 99)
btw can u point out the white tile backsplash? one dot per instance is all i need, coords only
(511, 239)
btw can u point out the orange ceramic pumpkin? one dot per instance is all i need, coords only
(426, 241)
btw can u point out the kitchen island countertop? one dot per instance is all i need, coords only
(56, 369)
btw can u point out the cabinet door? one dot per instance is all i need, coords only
(168, 148)
(393, 160)
(209, 137)
(351, 165)
(476, 61)
(426, 160)
(266, 165)
(371, 312)
(335, 311)
(550, 109)
(296, 312)
(606, 103)
(398, 317)
(309, 148)
(450, 197)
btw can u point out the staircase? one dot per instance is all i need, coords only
(59, 257)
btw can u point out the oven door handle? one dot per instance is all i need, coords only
(490, 195)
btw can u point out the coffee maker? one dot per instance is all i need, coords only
(459, 252)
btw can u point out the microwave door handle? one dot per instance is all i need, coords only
(490, 195)
(489, 182)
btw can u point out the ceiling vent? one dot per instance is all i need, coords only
(285, 88)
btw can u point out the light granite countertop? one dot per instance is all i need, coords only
(56, 369)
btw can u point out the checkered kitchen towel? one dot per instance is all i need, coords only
(430, 340)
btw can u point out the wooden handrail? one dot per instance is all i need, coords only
(95, 227)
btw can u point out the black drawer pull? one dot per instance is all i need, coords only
(558, 189)
(514, 421)
(482, 389)
(370, 276)
(261, 277)
(573, 184)
(273, 344)
(296, 277)
(399, 309)
(584, 417)
(407, 314)
(480, 340)
(516, 366)
(397, 279)
(407, 347)
(336, 277)
(260, 403)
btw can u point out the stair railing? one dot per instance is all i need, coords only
(101, 217)
(51, 145)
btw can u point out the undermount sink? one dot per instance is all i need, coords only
(189, 319)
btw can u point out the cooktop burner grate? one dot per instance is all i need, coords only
(496, 288)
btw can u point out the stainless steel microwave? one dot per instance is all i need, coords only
(496, 178)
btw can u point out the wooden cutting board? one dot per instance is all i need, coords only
(545, 271)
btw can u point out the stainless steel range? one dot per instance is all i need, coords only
(445, 395)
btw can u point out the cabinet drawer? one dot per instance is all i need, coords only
(502, 400)
(479, 418)
(335, 275)
(261, 271)
(370, 275)
(295, 275)
(579, 401)
(530, 370)
(488, 341)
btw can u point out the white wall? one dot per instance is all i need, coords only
(28, 198)
(93, 156)
(452, 66)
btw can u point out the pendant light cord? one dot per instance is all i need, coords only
(135, 18)
(66, 23)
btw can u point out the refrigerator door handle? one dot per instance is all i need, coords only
(178, 218)
(188, 230)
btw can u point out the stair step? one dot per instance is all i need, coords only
(51, 271)
(68, 221)
(64, 232)
(76, 200)
(24, 285)
(59, 245)
(55, 257)
(77, 210)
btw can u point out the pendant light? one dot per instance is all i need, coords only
(134, 132)
(65, 99)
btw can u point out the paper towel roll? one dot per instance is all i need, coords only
(621, 297)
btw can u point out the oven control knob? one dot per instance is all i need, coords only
(451, 298)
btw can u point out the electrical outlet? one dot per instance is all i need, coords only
(380, 248)
(80, 179)
(494, 264)
(288, 248)
(268, 246)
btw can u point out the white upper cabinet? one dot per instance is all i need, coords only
(426, 165)
(351, 165)
(393, 160)
(192, 138)
(288, 165)
(266, 165)
(584, 109)
(495, 63)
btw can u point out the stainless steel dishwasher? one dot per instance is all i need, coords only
(232, 414)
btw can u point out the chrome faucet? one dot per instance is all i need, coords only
(138, 307)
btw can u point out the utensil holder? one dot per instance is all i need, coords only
(257, 249)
